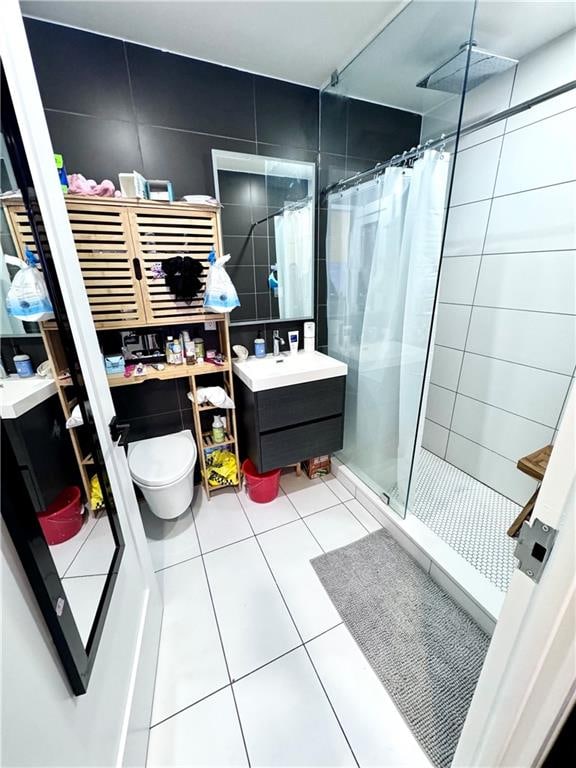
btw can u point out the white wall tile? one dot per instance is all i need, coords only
(489, 468)
(452, 325)
(435, 438)
(440, 405)
(458, 279)
(515, 174)
(487, 99)
(529, 392)
(445, 367)
(543, 282)
(475, 173)
(510, 435)
(466, 228)
(548, 67)
(535, 339)
(539, 220)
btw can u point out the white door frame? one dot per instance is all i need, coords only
(528, 683)
(19, 70)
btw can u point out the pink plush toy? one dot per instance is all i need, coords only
(79, 185)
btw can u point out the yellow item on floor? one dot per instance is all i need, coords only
(96, 498)
(221, 469)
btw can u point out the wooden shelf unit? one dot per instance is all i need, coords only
(117, 241)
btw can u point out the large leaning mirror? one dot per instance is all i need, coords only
(268, 230)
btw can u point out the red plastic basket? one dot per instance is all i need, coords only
(262, 487)
(63, 518)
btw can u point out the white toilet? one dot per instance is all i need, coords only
(163, 469)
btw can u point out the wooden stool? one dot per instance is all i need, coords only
(534, 464)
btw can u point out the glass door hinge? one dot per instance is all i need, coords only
(533, 549)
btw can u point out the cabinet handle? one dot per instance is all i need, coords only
(137, 269)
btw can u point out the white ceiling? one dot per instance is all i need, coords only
(298, 40)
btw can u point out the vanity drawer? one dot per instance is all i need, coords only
(300, 403)
(294, 444)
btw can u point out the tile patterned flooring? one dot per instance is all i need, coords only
(467, 515)
(255, 665)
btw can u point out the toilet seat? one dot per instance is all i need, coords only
(162, 461)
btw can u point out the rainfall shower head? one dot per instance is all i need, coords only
(449, 76)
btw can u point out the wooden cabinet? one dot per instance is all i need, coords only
(117, 241)
(288, 425)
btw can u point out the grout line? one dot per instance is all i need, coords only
(133, 102)
(83, 576)
(500, 359)
(221, 640)
(516, 192)
(505, 309)
(193, 704)
(303, 643)
(80, 548)
(505, 253)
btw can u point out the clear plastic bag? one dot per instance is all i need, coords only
(27, 297)
(220, 294)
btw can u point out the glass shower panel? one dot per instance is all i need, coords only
(384, 229)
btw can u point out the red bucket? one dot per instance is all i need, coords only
(262, 487)
(63, 518)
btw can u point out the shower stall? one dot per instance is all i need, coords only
(447, 294)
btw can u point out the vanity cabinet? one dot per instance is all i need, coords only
(286, 425)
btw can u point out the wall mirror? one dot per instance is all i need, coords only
(268, 228)
(57, 504)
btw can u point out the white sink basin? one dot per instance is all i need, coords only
(259, 373)
(17, 396)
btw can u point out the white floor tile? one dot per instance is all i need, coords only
(83, 595)
(64, 553)
(220, 520)
(288, 551)
(338, 488)
(170, 541)
(190, 661)
(266, 516)
(96, 554)
(335, 527)
(308, 496)
(253, 620)
(362, 515)
(207, 734)
(377, 733)
(286, 718)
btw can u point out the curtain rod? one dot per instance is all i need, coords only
(415, 151)
(288, 207)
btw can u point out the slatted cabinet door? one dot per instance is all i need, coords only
(109, 265)
(163, 232)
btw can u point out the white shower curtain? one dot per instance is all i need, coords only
(294, 239)
(383, 251)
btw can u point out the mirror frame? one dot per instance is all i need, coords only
(18, 510)
(215, 154)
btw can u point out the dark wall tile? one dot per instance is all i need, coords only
(236, 220)
(179, 92)
(286, 113)
(79, 71)
(379, 132)
(234, 188)
(261, 279)
(287, 152)
(332, 169)
(242, 277)
(333, 119)
(321, 327)
(148, 398)
(240, 250)
(243, 335)
(246, 310)
(184, 158)
(142, 427)
(321, 283)
(97, 148)
(263, 306)
(261, 251)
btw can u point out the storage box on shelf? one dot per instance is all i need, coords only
(117, 241)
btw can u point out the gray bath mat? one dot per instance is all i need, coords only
(425, 649)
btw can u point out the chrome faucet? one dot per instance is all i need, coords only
(277, 342)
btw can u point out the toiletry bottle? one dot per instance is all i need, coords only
(189, 349)
(199, 349)
(23, 365)
(169, 354)
(293, 337)
(177, 355)
(218, 434)
(260, 345)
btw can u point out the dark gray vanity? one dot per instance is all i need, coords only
(289, 408)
